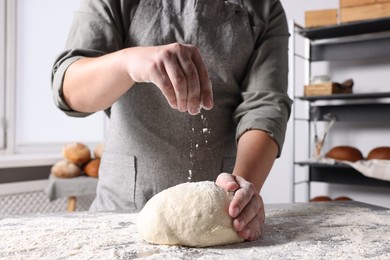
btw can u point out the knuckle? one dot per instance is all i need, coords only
(155, 66)
(176, 45)
(166, 54)
(251, 185)
(176, 48)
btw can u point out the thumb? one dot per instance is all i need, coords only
(227, 181)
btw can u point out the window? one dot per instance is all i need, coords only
(2, 74)
(34, 124)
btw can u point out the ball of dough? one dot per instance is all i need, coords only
(65, 169)
(77, 153)
(189, 214)
(92, 168)
(98, 151)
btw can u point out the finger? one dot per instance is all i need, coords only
(227, 181)
(177, 78)
(249, 212)
(242, 196)
(254, 228)
(204, 81)
(193, 87)
(160, 78)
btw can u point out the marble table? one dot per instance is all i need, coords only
(321, 230)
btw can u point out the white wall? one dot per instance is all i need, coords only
(368, 76)
(278, 186)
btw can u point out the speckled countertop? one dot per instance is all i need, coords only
(323, 230)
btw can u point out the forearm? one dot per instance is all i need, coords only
(93, 84)
(256, 153)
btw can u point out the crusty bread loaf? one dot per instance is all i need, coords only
(65, 169)
(98, 151)
(92, 168)
(76, 153)
(320, 198)
(382, 153)
(342, 198)
(345, 153)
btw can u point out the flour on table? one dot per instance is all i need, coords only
(313, 232)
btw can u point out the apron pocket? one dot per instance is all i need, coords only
(118, 178)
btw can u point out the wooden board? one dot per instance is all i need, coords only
(365, 12)
(318, 18)
(325, 88)
(350, 3)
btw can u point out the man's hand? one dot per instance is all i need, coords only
(246, 208)
(177, 70)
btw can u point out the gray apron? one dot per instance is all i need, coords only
(150, 146)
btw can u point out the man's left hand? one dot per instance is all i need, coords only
(246, 208)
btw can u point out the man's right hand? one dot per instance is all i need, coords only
(177, 70)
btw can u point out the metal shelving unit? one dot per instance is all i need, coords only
(357, 41)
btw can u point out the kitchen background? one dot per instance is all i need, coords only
(33, 32)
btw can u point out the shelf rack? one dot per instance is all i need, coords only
(352, 41)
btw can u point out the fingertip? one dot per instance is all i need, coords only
(233, 212)
(207, 103)
(207, 94)
(194, 110)
(245, 234)
(232, 186)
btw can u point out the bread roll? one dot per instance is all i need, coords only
(76, 153)
(342, 198)
(382, 153)
(92, 168)
(320, 198)
(98, 151)
(65, 169)
(345, 153)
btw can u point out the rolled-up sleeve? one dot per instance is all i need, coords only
(266, 105)
(97, 29)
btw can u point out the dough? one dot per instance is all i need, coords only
(189, 214)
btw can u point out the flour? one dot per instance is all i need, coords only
(198, 136)
(302, 232)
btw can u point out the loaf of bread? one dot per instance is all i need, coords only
(65, 169)
(382, 153)
(342, 198)
(345, 153)
(92, 168)
(320, 199)
(98, 151)
(76, 153)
